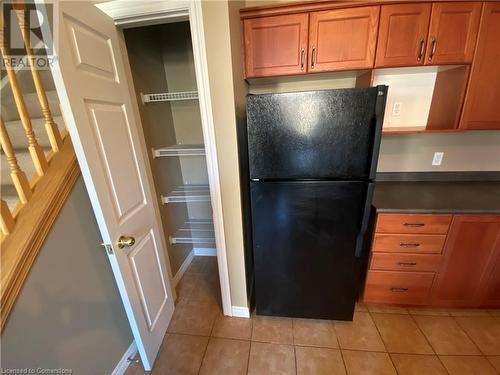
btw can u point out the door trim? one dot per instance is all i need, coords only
(130, 14)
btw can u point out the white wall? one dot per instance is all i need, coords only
(69, 313)
(412, 89)
(220, 70)
(177, 53)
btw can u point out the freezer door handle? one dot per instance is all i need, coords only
(366, 220)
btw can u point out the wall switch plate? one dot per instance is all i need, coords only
(396, 108)
(438, 158)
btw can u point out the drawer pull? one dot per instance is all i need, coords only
(414, 225)
(407, 264)
(408, 244)
(399, 290)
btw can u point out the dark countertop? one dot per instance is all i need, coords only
(437, 196)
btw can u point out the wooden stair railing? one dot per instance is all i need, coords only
(50, 126)
(39, 159)
(17, 175)
(24, 229)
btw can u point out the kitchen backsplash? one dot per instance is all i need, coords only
(467, 151)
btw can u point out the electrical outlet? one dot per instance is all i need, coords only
(438, 158)
(396, 109)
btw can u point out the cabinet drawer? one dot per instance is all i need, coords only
(405, 262)
(413, 223)
(409, 243)
(398, 287)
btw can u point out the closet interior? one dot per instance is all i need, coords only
(162, 64)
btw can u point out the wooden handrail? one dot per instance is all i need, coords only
(36, 152)
(19, 178)
(6, 220)
(33, 223)
(50, 126)
(24, 229)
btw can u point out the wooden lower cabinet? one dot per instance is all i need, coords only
(413, 223)
(470, 250)
(491, 292)
(409, 243)
(410, 288)
(461, 268)
(406, 262)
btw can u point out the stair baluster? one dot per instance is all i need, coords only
(36, 152)
(18, 176)
(50, 126)
(6, 220)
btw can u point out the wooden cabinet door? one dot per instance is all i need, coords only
(481, 108)
(469, 250)
(276, 45)
(402, 34)
(491, 284)
(453, 32)
(343, 39)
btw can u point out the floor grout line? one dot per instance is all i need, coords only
(248, 359)
(413, 317)
(338, 343)
(466, 334)
(383, 342)
(423, 334)
(295, 358)
(430, 344)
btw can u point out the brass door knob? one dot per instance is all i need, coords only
(125, 241)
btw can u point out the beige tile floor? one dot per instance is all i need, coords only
(381, 339)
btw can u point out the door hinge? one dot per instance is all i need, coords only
(134, 360)
(108, 248)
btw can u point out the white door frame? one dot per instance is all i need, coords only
(134, 14)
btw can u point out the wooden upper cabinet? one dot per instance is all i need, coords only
(402, 34)
(469, 250)
(481, 108)
(343, 39)
(453, 32)
(276, 45)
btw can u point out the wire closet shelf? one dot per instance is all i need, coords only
(169, 96)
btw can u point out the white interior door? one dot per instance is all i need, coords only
(107, 135)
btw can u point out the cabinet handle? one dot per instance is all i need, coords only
(413, 225)
(433, 48)
(302, 53)
(409, 244)
(421, 50)
(313, 57)
(399, 290)
(407, 264)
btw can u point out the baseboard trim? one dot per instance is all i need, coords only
(241, 312)
(123, 363)
(205, 252)
(183, 269)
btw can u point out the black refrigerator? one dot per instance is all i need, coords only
(312, 157)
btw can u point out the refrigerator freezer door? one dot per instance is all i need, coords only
(304, 240)
(326, 134)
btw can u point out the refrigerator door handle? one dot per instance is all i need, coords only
(366, 220)
(379, 121)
